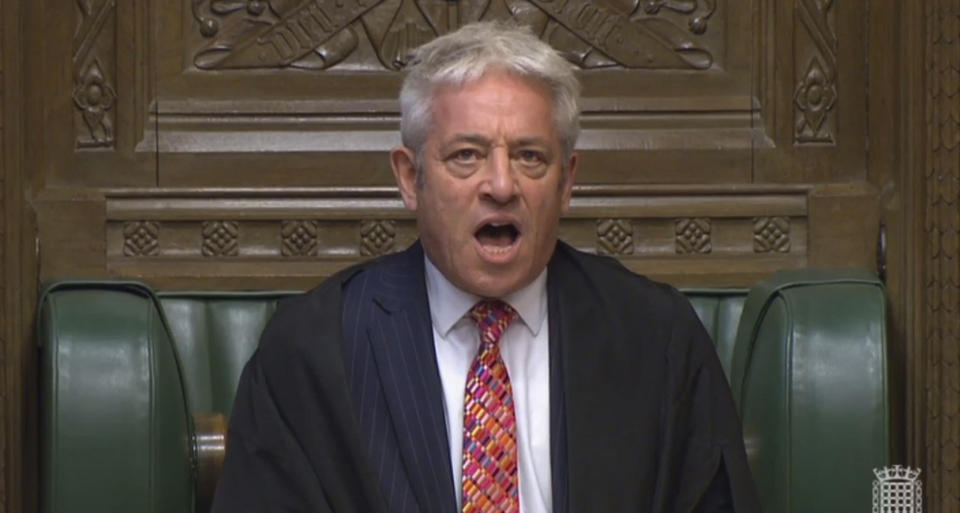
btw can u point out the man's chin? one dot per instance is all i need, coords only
(496, 283)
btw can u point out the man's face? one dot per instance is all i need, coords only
(489, 203)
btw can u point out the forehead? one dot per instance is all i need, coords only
(497, 101)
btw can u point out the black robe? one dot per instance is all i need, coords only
(340, 408)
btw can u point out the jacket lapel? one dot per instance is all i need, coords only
(401, 339)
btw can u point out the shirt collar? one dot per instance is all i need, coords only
(449, 304)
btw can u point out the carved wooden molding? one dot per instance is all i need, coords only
(320, 34)
(377, 237)
(693, 235)
(771, 234)
(219, 238)
(815, 61)
(298, 238)
(614, 237)
(939, 354)
(140, 238)
(295, 232)
(94, 68)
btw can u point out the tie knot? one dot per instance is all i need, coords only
(492, 317)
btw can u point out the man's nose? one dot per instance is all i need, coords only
(501, 186)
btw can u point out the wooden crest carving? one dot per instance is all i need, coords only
(379, 34)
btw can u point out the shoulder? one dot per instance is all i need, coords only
(312, 320)
(653, 317)
(606, 279)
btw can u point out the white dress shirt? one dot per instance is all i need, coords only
(525, 350)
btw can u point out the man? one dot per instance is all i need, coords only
(488, 368)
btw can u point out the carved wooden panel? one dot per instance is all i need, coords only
(939, 362)
(267, 92)
(378, 34)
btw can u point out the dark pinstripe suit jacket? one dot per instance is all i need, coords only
(341, 409)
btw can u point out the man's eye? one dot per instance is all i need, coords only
(466, 155)
(530, 157)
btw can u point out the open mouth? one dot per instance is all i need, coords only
(497, 237)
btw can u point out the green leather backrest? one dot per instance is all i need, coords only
(215, 334)
(123, 368)
(115, 429)
(719, 311)
(809, 373)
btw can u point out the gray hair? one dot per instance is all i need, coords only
(472, 51)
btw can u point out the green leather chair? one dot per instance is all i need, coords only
(137, 384)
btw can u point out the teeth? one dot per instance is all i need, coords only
(497, 250)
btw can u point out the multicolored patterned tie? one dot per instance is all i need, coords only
(489, 423)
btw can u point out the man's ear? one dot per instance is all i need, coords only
(404, 164)
(570, 175)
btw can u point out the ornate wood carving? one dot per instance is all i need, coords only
(815, 95)
(94, 68)
(140, 238)
(219, 238)
(771, 234)
(693, 235)
(298, 238)
(377, 237)
(939, 374)
(614, 237)
(272, 232)
(378, 34)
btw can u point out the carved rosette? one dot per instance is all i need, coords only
(771, 235)
(220, 238)
(141, 238)
(320, 34)
(614, 237)
(693, 235)
(377, 237)
(298, 238)
(815, 95)
(94, 62)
